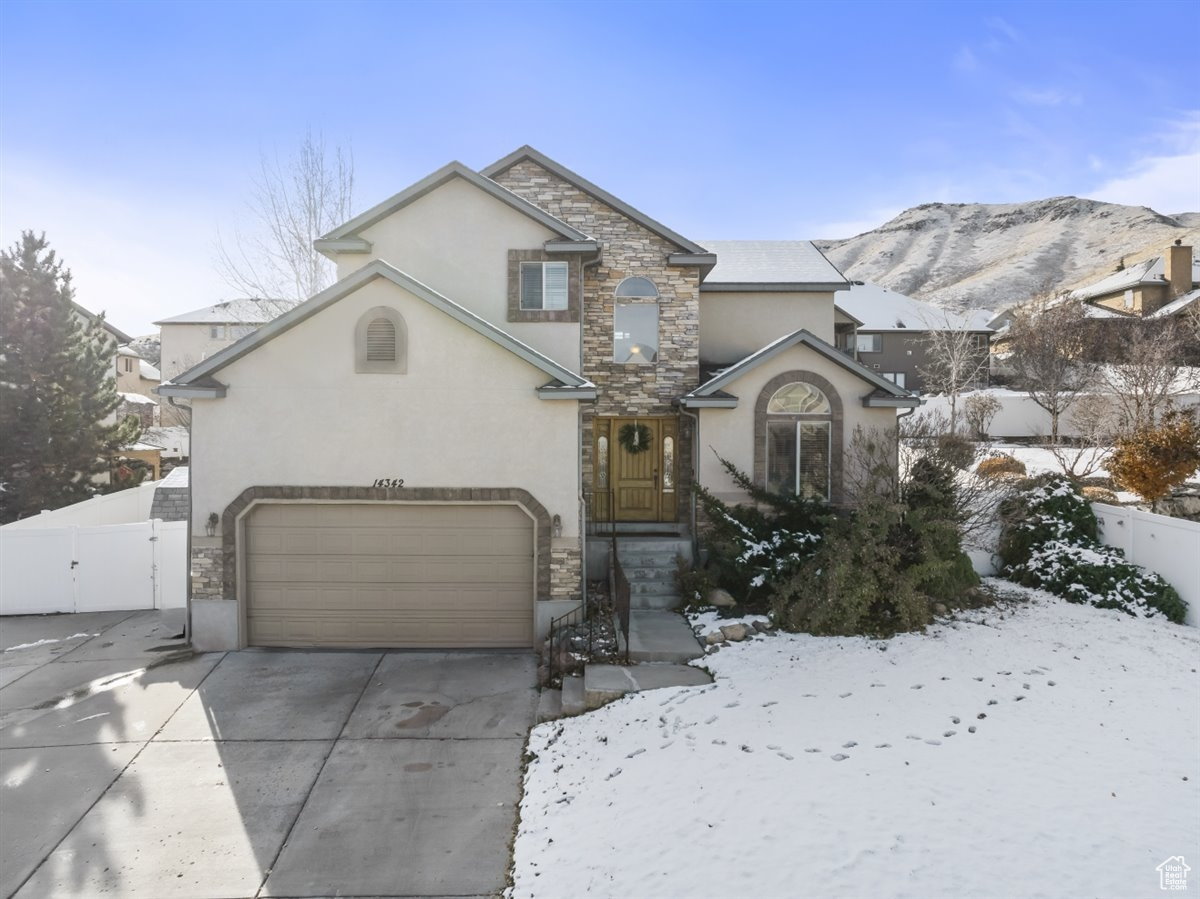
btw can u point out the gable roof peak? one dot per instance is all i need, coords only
(526, 152)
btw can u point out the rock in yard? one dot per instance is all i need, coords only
(720, 598)
(763, 627)
(940, 609)
(714, 637)
(735, 632)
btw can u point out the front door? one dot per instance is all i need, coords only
(636, 460)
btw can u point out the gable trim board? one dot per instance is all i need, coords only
(693, 254)
(886, 394)
(200, 377)
(346, 238)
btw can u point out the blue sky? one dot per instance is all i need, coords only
(130, 132)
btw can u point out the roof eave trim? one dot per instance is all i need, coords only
(432, 182)
(192, 392)
(709, 259)
(588, 187)
(709, 402)
(330, 247)
(572, 246)
(565, 392)
(892, 402)
(769, 287)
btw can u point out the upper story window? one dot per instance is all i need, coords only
(381, 341)
(798, 441)
(216, 332)
(543, 285)
(635, 324)
(636, 287)
(869, 343)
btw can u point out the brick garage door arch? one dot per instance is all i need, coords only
(523, 498)
(836, 427)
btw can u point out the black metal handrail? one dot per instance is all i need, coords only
(558, 643)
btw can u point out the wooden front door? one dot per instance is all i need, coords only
(642, 482)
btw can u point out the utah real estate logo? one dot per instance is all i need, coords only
(1172, 874)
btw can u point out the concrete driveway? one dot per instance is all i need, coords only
(130, 767)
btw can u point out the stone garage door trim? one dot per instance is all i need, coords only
(236, 511)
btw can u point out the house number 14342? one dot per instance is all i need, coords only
(388, 482)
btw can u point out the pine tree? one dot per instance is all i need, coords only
(56, 386)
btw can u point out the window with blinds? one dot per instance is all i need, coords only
(543, 285)
(799, 435)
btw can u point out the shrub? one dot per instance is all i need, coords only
(1050, 540)
(1096, 494)
(1001, 465)
(694, 583)
(1153, 459)
(979, 410)
(955, 449)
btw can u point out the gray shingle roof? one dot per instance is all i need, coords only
(782, 262)
(881, 309)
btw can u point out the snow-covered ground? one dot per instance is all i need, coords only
(1044, 749)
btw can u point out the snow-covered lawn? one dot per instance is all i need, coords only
(1043, 749)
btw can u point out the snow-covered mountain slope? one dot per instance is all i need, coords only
(975, 255)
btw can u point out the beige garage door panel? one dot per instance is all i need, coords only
(389, 575)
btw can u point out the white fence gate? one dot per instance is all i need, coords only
(113, 567)
(1168, 546)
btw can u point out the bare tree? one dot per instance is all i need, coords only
(1049, 354)
(1149, 375)
(956, 361)
(294, 202)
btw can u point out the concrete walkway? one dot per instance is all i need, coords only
(130, 767)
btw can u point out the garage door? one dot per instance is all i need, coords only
(389, 575)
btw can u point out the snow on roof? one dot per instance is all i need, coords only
(177, 478)
(140, 447)
(1176, 305)
(136, 399)
(127, 350)
(1149, 271)
(148, 371)
(246, 311)
(880, 309)
(770, 262)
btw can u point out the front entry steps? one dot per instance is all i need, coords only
(650, 563)
(663, 644)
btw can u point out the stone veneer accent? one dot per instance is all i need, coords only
(574, 283)
(837, 444)
(627, 249)
(208, 573)
(566, 572)
(170, 504)
(385, 494)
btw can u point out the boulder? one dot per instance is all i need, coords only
(714, 637)
(720, 598)
(735, 632)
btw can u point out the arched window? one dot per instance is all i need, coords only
(798, 433)
(635, 322)
(381, 342)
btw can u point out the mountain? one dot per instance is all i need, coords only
(989, 256)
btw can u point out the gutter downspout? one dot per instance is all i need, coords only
(187, 570)
(695, 480)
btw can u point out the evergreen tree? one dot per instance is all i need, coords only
(56, 387)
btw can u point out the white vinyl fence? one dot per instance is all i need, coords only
(1168, 546)
(142, 565)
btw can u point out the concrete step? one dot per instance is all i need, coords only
(657, 635)
(549, 705)
(648, 572)
(651, 602)
(572, 702)
(605, 683)
(653, 588)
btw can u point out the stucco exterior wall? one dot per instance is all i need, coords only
(185, 345)
(734, 325)
(456, 240)
(296, 413)
(731, 432)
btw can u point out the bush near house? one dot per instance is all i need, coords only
(999, 466)
(875, 569)
(1050, 539)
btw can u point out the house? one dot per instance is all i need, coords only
(893, 334)
(1146, 287)
(418, 455)
(134, 373)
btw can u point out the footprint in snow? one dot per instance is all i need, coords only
(745, 748)
(771, 703)
(949, 733)
(878, 685)
(635, 752)
(840, 757)
(884, 746)
(971, 729)
(954, 719)
(718, 742)
(843, 695)
(1004, 672)
(666, 744)
(912, 737)
(710, 719)
(784, 755)
(979, 679)
(732, 705)
(774, 746)
(992, 701)
(1018, 698)
(1026, 687)
(812, 750)
(850, 744)
(613, 774)
(934, 742)
(1050, 683)
(944, 678)
(916, 686)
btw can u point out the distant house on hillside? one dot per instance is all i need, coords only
(135, 374)
(892, 337)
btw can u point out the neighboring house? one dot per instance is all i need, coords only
(135, 374)
(1144, 288)
(143, 408)
(417, 455)
(893, 334)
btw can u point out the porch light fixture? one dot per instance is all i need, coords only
(556, 524)
(210, 526)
